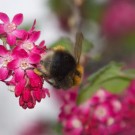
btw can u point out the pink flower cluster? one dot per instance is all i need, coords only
(103, 114)
(19, 55)
(119, 18)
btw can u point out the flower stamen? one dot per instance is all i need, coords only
(5, 62)
(10, 27)
(28, 45)
(24, 64)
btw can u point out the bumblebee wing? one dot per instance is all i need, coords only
(78, 46)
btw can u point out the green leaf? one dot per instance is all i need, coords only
(116, 85)
(130, 71)
(107, 72)
(110, 77)
(65, 42)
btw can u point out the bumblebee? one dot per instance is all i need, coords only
(60, 68)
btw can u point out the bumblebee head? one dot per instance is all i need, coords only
(77, 78)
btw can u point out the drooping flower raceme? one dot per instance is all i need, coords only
(18, 62)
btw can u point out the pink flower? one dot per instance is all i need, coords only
(73, 126)
(28, 44)
(104, 114)
(10, 28)
(131, 88)
(21, 62)
(5, 58)
(119, 19)
(30, 90)
(72, 122)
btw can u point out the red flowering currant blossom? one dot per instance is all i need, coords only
(41, 48)
(18, 61)
(70, 115)
(129, 101)
(28, 43)
(103, 114)
(29, 89)
(28, 86)
(31, 93)
(119, 19)
(5, 58)
(21, 62)
(9, 29)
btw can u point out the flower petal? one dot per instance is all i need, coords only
(31, 74)
(1, 61)
(4, 17)
(20, 53)
(37, 95)
(1, 28)
(42, 43)
(13, 64)
(31, 104)
(18, 18)
(34, 37)
(3, 50)
(36, 82)
(11, 39)
(34, 58)
(19, 88)
(22, 103)
(26, 95)
(33, 27)
(3, 73)
(20, 33)
(45, 92)
(19, 74)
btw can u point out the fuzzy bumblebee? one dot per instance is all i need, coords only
(60, 68)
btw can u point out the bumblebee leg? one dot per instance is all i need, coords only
(38, 72)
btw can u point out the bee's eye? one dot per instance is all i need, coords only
(77, 73)
(41, 62)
